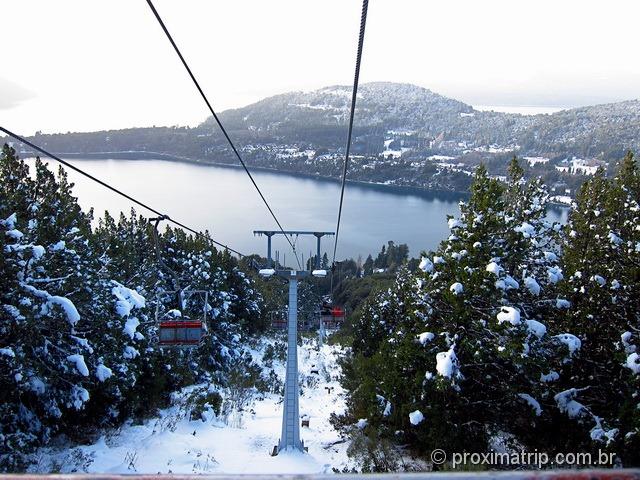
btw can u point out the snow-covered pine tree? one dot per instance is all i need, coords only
(495, 276)
(20, 428)
(471, 323)
(231, 301)
(599, 391)
(50, 370)
(386, 370)
(76, 332)
(130, 273)
(187, 264)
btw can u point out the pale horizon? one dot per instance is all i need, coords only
(75, 67)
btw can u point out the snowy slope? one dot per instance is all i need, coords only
(174, 444)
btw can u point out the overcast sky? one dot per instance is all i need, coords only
(85, 65)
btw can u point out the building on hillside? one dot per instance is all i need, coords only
(580, 166)
(533, 161)
(500, 178)
(586, 167)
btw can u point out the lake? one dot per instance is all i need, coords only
(223, 200)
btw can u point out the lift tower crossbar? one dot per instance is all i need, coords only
(271, 233)
(290, 436)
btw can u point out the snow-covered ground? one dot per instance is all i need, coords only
(172, 443)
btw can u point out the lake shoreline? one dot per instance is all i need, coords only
(136, 155)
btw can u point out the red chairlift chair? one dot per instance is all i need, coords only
(332, 317)
(176, 331)
(279, 324)
(278, 321)
(181, 333)
(173, 329)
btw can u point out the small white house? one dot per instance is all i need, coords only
(586, 167)
(533, 161)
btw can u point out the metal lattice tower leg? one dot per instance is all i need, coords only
(290, 438)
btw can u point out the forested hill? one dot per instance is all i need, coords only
(403, 108)
(383, 105)
(403, 134)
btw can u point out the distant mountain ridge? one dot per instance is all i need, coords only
(404, 135)
(393, 105)
(397, 106)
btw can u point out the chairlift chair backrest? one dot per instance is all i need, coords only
(176, 333)
(278, 321)
(331, 317)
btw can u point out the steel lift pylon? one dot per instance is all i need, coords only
(290, 435)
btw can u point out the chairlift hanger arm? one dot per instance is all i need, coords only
(156, 237)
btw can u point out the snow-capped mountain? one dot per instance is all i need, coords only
(386, 106)
(379, 104)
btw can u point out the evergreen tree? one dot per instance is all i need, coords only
(325, 261)
(78, 327)
(602, 261)
(368, 265)
(460, 351)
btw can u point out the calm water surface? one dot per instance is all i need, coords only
(223, 201)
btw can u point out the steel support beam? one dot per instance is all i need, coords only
(290, 437)
(269, 261)
(321, 333)
(318, 236)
